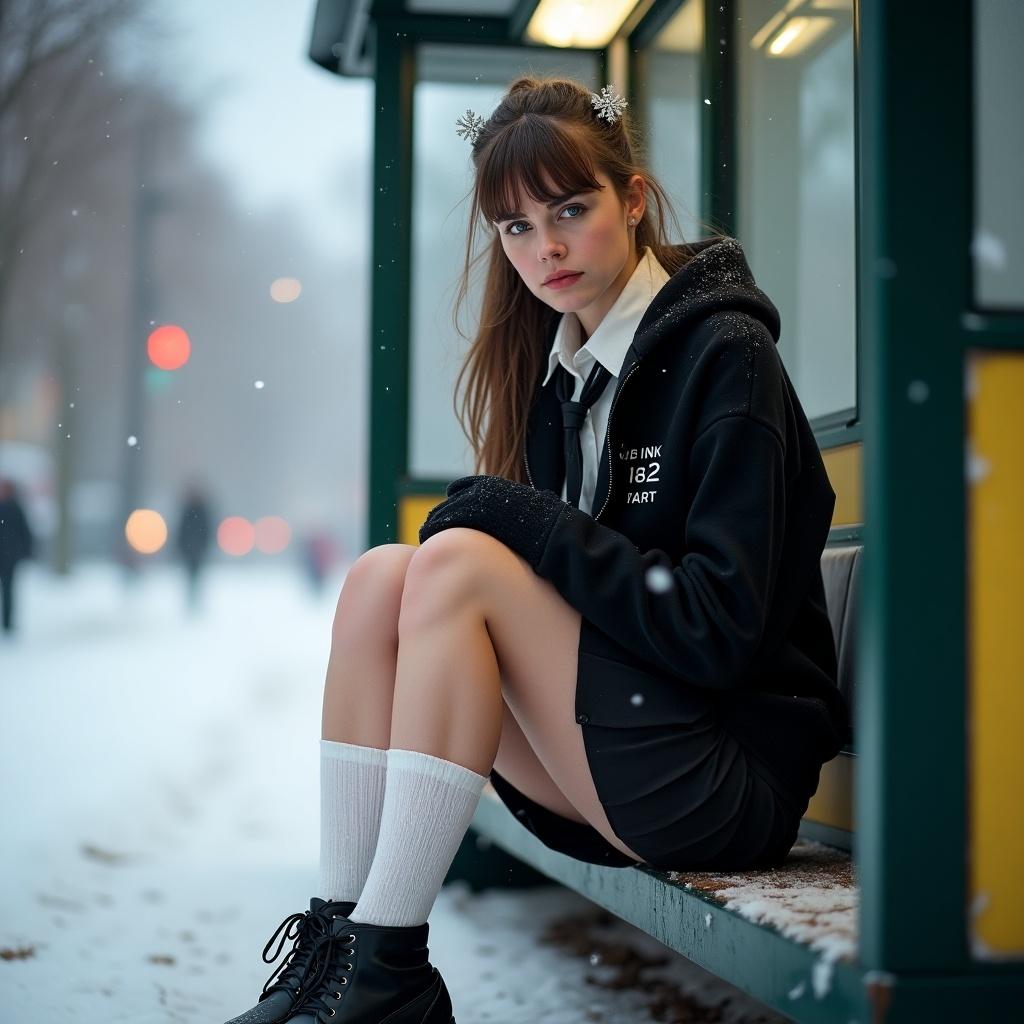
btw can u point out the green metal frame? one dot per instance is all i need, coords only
(718, 125)
(911, 650)
(390, 293)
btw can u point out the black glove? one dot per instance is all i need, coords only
(462, 483)
(516, 514)
(453, 488)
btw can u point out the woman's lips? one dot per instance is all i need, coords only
(564, 282)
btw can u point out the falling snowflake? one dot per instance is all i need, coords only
(469, 125)
(608, 105)
(917, 392)
(659, 580)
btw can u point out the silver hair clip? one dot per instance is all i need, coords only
(608, 105)
(469, 126)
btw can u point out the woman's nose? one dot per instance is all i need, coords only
(549, 246)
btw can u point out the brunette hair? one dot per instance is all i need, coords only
(542, 124)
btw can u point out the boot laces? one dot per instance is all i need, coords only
(291, 973)
(330, 977)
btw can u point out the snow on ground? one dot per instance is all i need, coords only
(160, 800)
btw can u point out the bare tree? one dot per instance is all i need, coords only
(67, 118)
(55, 110)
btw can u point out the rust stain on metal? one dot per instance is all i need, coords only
(878, 985)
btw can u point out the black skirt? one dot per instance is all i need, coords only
(721, 786)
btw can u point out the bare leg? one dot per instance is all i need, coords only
(477, 626)
(517, 762)
(360, 687)
(448, 686)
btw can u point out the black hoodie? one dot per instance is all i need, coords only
(702, 560)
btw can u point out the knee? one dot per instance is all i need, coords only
(443, 574)
(372, 592)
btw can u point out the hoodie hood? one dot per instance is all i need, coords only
(716, 279)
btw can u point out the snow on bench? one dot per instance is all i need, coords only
(813, 899)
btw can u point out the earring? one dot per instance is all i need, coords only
(632, 220)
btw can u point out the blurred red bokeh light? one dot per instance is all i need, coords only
(272, 535)
(236, 535)
(168, 347)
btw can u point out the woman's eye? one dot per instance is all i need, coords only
(516, 234)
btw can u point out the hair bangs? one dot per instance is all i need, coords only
(538, 156)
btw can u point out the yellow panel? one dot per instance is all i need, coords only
(843, 465)
(832, 804)
(412, 510)
(995, 656)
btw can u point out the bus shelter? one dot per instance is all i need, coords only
(867, 155)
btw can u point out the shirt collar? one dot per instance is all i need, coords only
(614, 334)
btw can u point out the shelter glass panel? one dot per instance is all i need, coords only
(796, 187)
(997, 248)
(671, 70)
(449, 80)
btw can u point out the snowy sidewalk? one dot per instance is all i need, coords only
(160, 800)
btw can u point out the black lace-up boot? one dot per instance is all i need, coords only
(372, 974)
(280, 995)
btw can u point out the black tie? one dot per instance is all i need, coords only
(573, 415)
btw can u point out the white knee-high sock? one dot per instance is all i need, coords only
(428, 805)
(352, 780)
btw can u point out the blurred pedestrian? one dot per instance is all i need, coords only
(194, 539)
(16, 544)
(318, 556)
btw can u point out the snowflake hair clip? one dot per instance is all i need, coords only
(608, 105)
(469, 125)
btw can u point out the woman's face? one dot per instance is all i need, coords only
(586, 233)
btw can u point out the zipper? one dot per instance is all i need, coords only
(526, 463)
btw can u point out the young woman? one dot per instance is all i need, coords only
(620, 621)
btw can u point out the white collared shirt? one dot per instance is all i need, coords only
(608, 345)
